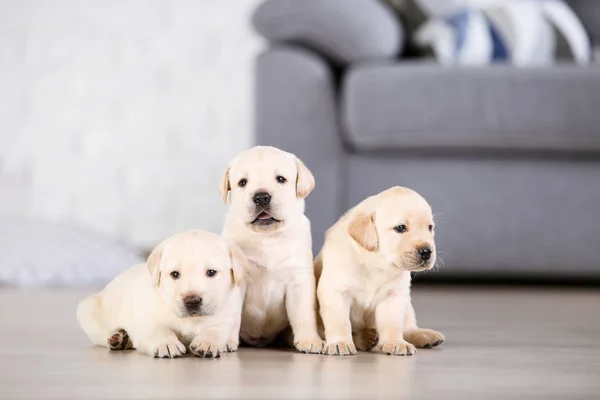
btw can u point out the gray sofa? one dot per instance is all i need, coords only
(508, 158)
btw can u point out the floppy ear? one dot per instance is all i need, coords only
(224, 186)
(362, 230)
(239, 264)
(305, 182)
(153, 262)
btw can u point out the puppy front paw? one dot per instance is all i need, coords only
(169, 349)
(425, 338)
(310, 346)
(205, 349)
(231, 346)
(402, 348)
(340, 349)
(365, 339)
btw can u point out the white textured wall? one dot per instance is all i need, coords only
(122, 114)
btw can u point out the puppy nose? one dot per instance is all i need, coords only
(425, 253)
(192, 301)
(261, 198)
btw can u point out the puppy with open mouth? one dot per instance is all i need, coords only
(364, 275)
(267, 188)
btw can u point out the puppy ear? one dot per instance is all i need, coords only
(362, 230)
(239, 264)
(153, 262)
(224, 186)
(305, 181)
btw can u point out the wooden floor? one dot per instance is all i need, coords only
(501, 344)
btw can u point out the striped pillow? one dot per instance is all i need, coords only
(480, 32)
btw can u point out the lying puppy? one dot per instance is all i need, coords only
(189, 293)
(364, 278)
(266, 219)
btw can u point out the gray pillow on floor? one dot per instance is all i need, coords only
(44, 254)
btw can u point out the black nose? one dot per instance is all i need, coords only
(261, 199)
(192, 302)
(425, 253)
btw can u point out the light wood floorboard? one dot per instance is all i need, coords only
(501, 344)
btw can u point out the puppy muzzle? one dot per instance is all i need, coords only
(193, 305)
(264, 216)
(416, 262)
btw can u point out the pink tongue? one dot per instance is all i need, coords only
(263, 215)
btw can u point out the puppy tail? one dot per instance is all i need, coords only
(89, 315)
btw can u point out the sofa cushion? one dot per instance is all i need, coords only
(515, 217)
(345, 31)
(426, 106)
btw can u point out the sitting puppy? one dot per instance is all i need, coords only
(364, 278)
(266, 219)
(189, 293)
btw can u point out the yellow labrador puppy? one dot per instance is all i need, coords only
(266, 219)
(364, 275)
(189, 293)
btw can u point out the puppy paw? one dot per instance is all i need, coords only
(119, 340)
(310, 346)
(366, 339)
(424, 338)
(397, 348)
(340, 349)
(169, 349)
(204, 349)
(231, 346)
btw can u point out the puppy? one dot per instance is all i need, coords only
(364, 278)
(266, 219)
(188, 293)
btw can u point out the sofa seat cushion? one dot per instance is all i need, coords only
(401, 106)
(496, 217)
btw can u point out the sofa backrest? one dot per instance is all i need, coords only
(589, 12)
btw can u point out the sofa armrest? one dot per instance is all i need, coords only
(296, 111)
(345, 31)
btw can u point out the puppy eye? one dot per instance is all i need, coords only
(211, 273)
(243, 182)
(400, 228)
(281, 179)
(430, 228)
(175, 275)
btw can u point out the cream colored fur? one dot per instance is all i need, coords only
(364, 276)
(281, 283)
(148, 302)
